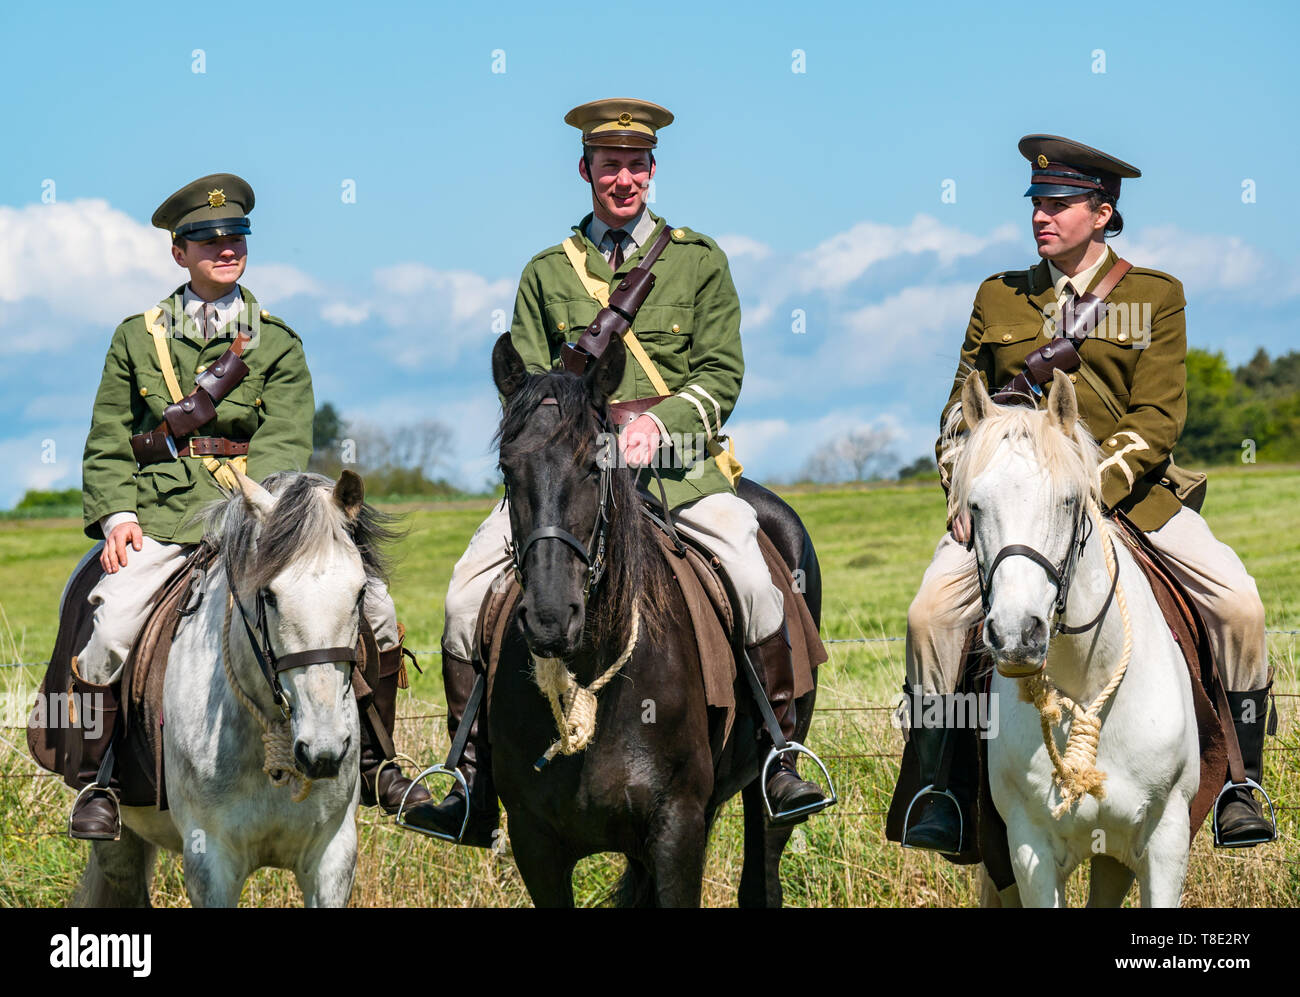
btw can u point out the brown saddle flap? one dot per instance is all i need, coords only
(711, 614)
(138, 746)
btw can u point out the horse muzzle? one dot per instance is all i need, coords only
(1019, 650)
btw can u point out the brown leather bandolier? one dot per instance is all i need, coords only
(196, 409)
(1062, 353)
(615, 319)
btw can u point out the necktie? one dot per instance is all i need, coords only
(209, 320)
(617, 236)
(1067, 311)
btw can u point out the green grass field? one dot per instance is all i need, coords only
(873, 543)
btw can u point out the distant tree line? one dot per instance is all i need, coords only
(1251, 413)
(395, 460)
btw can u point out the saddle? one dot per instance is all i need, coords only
(705, 591)
(969, 764)
(55, 743)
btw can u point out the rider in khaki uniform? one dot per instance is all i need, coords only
(1141, 363)
(145, 506)
(690, 329)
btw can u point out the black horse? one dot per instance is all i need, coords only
(646, 785)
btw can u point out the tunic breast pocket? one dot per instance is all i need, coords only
(565, 320)
(1008, 345)
(666, 334)
(239, 413)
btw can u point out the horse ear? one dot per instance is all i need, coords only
(604, 376)
(1062, 403)
(349, 493)
(508, 370)
(975, 400)
(260, 502)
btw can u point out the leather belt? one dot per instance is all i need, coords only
(212, 446)
(622, 413)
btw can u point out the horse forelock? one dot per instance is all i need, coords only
(635, 572)
(1070, 461)
(305, 525)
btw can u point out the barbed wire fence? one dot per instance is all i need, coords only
(1287, 754)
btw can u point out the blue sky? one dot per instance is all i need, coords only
(824, 186)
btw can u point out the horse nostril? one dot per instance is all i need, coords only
(300, 756)
(1036, 632)
(994, 642)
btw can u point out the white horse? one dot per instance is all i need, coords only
(299, 551)
(1113, 678)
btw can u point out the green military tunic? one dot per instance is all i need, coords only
(689, 326)
(272, 407)
(1149, 381)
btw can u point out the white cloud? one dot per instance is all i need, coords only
(742, 246)
(85, 265)
(342, 313)
(1207, 262)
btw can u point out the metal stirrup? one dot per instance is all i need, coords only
(796, 813)
(450, 766)
(1272, 815)
(947, 794)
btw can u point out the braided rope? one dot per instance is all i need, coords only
(574, 705)
(1075, 771)
(277, 739)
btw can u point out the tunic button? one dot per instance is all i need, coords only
(562, 326)
(679, 233)
(265, 313)
(676, 327)
(143, 392)
(200, 368)
(1122, 337)
(1112, 442)
(258, 403)
(1006, 337)
(1074, 378)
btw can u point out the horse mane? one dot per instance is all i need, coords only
(1071, 461)
(635, 573)
(304, 523)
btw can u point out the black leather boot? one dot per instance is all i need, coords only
(786, 791)
(382, 781)
(936, 822)
(447, 817)
(1241, 820)
(95, 814)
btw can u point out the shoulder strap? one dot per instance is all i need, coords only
(576, 251)
(159, 334)
(1113, 276)
(1101, 292)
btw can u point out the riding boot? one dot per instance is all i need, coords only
(475, 765)
(1242, 821)
(936, 823)
(382, 781)
(95, 815)
(785, 790)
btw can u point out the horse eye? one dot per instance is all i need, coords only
(268, 597)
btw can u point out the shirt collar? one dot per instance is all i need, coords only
(1080, 281)
(638, 232)
(228, 306)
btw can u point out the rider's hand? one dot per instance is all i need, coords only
(961, 528)
(114, 552)
(639, 442)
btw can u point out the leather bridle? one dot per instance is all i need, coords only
(592, 553)
(270, 664)
(1060, 576)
